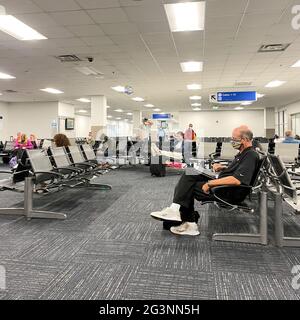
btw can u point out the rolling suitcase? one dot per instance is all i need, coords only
(157, 168)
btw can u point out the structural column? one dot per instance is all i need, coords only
(98, 116)
(269, 124)
(137, 121)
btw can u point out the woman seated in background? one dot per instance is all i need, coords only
(61, 140)
(33, 141)
(23, 143)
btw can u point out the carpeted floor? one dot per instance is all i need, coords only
(110, 248)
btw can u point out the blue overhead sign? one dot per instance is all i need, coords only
(161, 116)
(236, 96)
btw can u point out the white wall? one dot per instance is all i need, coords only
(119, 128)
(82, 126)
(221, 123)
(4, 121)
(32, 117)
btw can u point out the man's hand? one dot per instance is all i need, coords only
(217, 167)
(205, 188)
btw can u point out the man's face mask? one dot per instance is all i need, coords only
(236, 144)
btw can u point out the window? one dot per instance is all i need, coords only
(296, 123)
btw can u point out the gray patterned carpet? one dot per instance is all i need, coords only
(109, 248)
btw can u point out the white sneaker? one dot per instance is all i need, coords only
(186, 229)
(167, 214)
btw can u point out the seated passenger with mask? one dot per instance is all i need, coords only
(239, 172)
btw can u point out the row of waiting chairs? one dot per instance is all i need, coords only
(289, 153)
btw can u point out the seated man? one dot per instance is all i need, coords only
(289, 138)
(239, 172)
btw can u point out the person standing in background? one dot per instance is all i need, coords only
(33, 141)
(189, 139)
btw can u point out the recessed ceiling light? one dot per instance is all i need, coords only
(275, 83)
(149, 105)
(296, 65)
(246, 103)
(118, 118)
(215, 107)
(196, 104)
(4, 76)
(192, 66)
(84, 100)
(119, 89)
(138, 99)
(16, 28)
(51, 90)
(89, 71)
(109, 117)
(82, 111)
(157, 110)
(188, 16)
(197, 109)
(195, 98)
(194, 86)
(129, 113)
(118, 110)
(259, 95)
(239, 108)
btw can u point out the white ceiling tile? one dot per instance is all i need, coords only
(36, 20)
(57, 5)
(69, 42)
(119, 28)
(55, 32)
(98, 4)
(20, 6)
(95, 41)
(71, 18)
(146, 13)
(86, 30)
(130, 3)
(112, 15)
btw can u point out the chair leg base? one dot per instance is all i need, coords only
(32, 214)
(239, 237)
(291, 242)
(46, 215)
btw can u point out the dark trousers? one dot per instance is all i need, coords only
(184, 194)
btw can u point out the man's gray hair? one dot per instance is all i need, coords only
(247, 134)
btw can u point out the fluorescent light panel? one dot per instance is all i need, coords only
(188, 16)
(119, 89)
(138, 99)
(196, 104)
(149, 105)
(197, 109)
(246, 103)
(84, 100)
(194, 86)
(296, 65)
(195, 98)
(275, 83)
(4, 76)
(260, 95)
(118, 110)
(156, 110)
(239, 108)
(191, 66)
(109, 117)
(82, 111)
(17, 29)
(129, 113)
(51, 90)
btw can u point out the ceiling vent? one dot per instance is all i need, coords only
(10, 91)
(243, 83)
(68, 58)
(273, 47)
